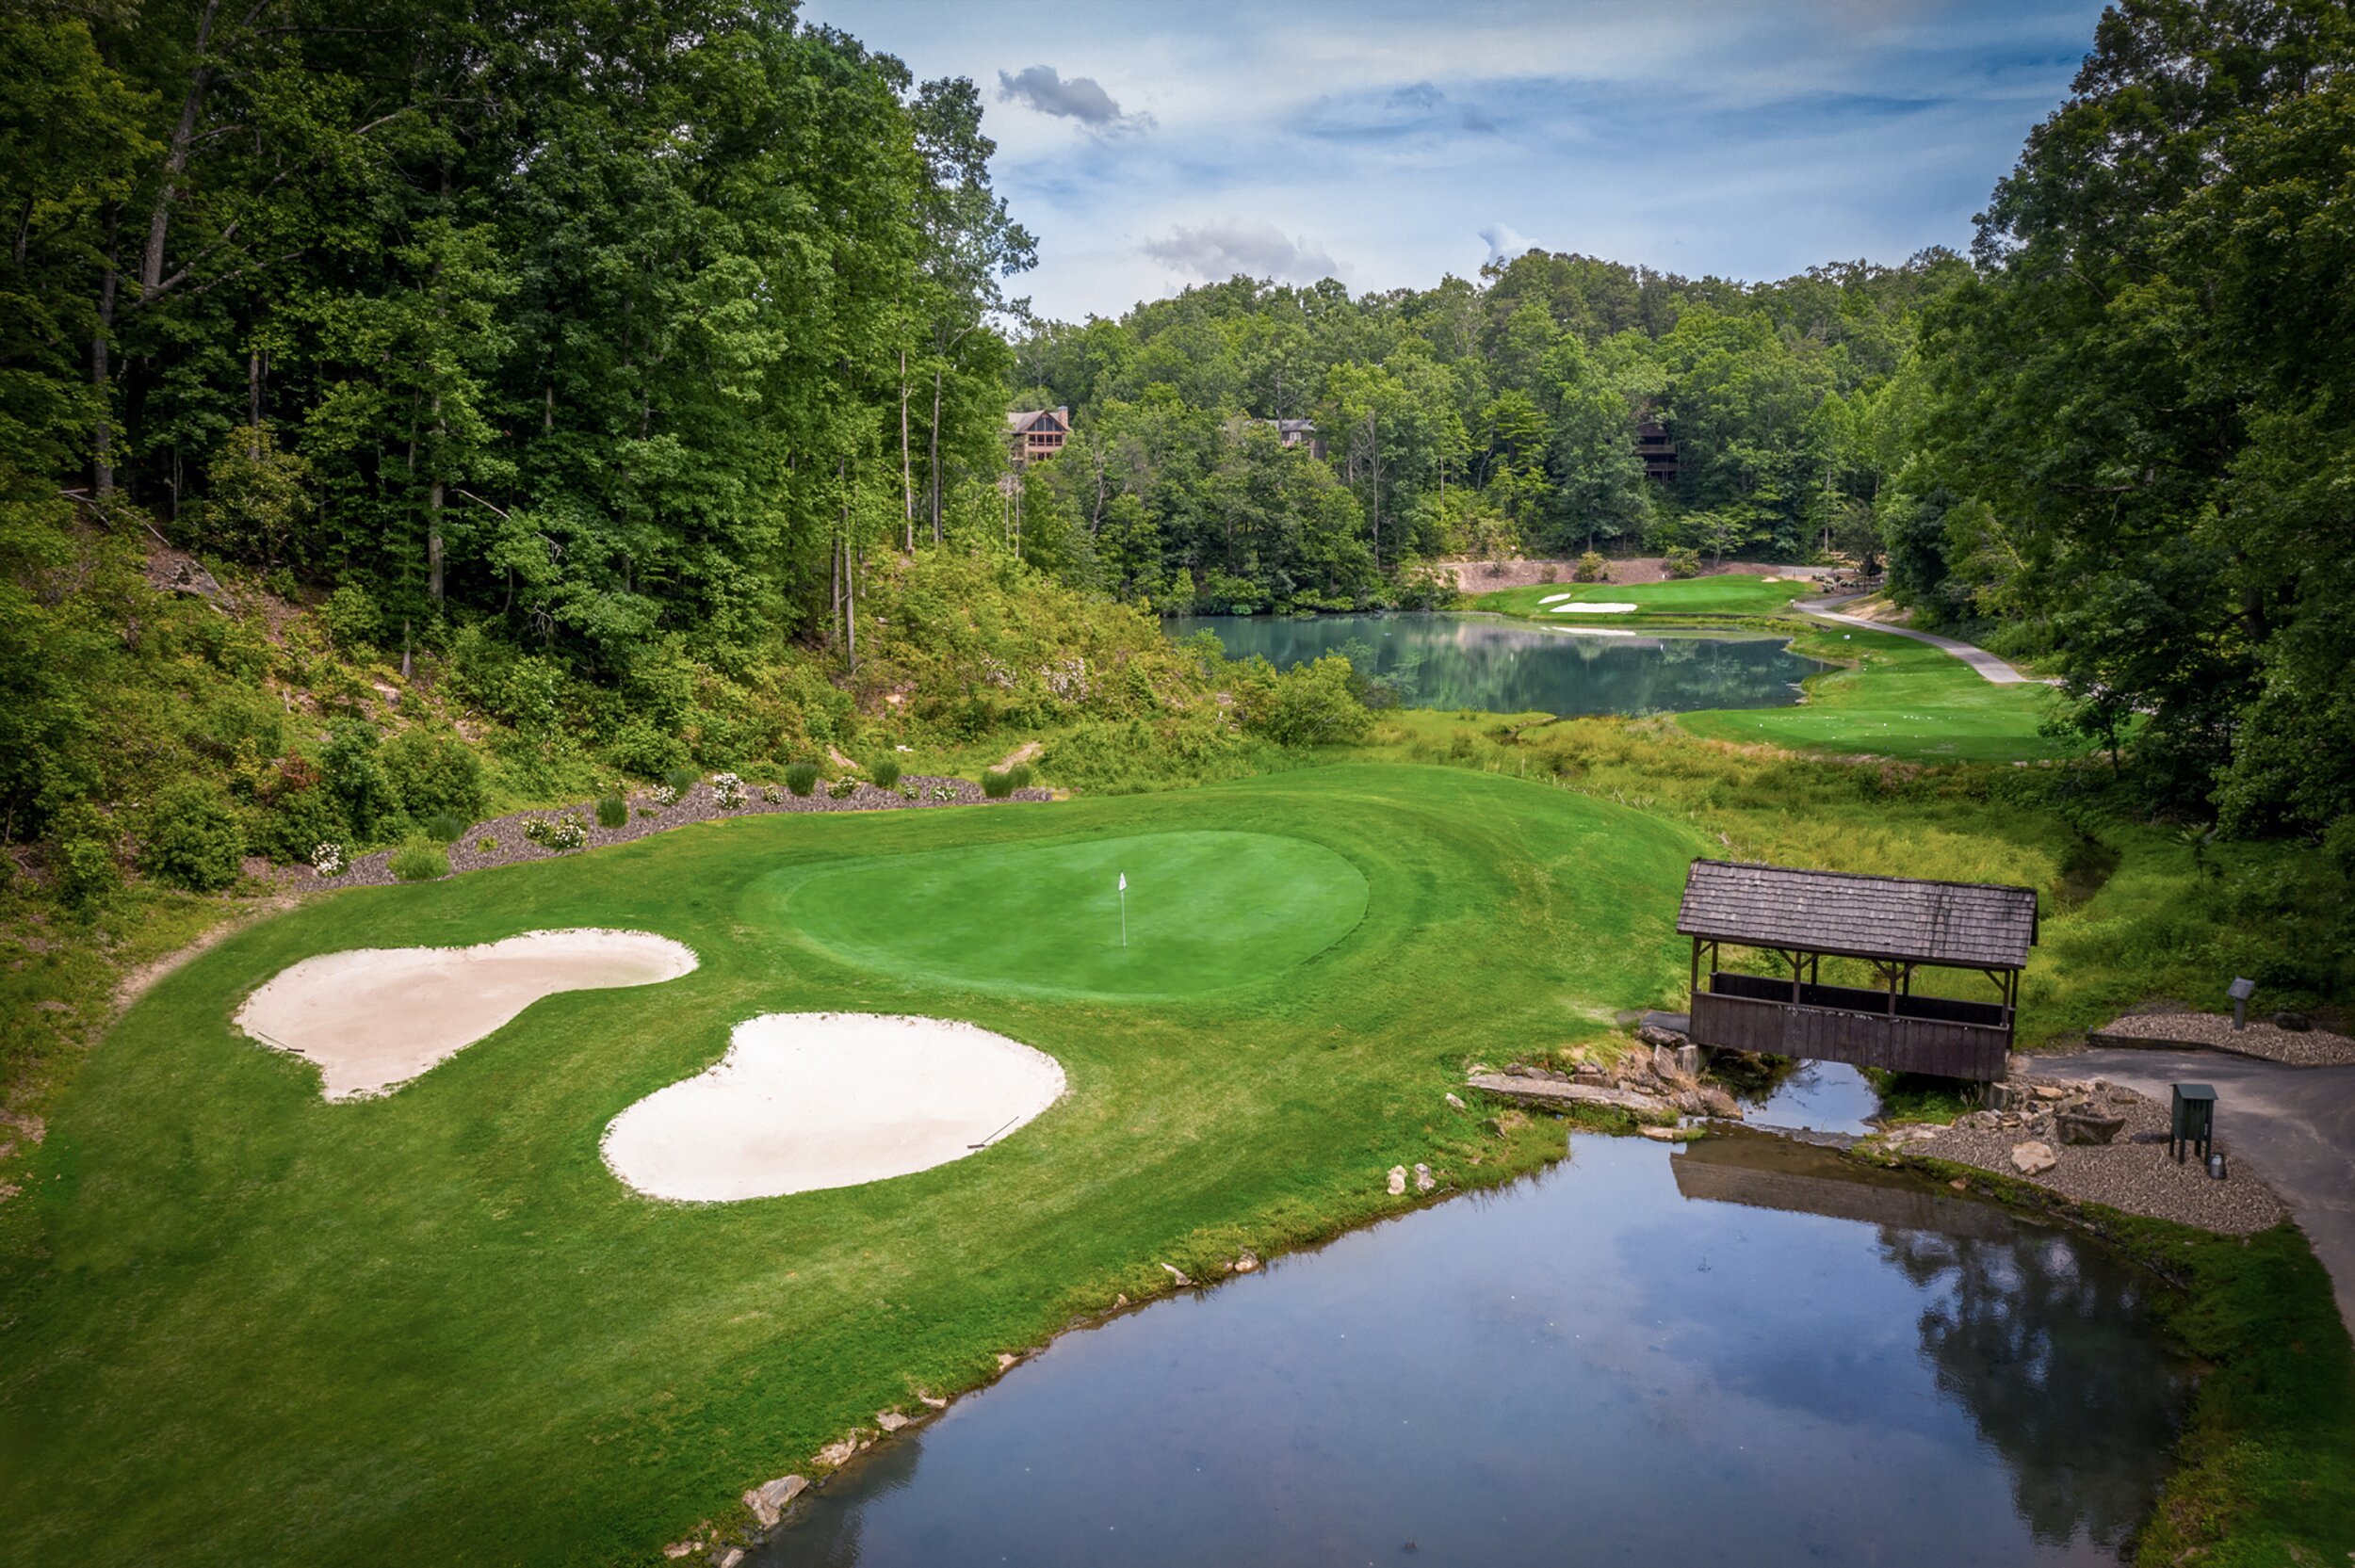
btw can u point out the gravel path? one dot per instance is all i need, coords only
(2215, 1031)
(698, 804)
(2293, 1126)
(2135, 1172)
(1979, 659)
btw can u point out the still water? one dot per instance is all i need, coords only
(1476, 661)
(1744, 1352)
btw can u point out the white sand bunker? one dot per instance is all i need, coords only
(1596, 608)
(1557, 598)
(1598, 631)
(375, 1017)
(810, 1100)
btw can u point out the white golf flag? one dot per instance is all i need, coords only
(1124, 882)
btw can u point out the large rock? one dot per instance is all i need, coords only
(1425, 1180)
(2033, 1158)
(2297, 1022)
(770, 1499)
(1397, 1180)
(2088, 1128)
(1543, 1091)
(1651, 1034)
(890, 1420)
(1676, 1063)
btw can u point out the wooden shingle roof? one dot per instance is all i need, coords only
(1969, 925)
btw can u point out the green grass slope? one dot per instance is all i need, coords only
(1727, 594)
(1899, 699)
(253, 1327)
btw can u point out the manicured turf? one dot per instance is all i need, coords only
(1900, 698)
(1727, 594)
(240, 1325)
(1205, 911)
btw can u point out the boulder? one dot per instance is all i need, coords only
(1425, 1180)
(1453, 1102)
(2088, 1128)
(1651, 1034)
(1537, 1092)
(770, 1499)
(729, 1557)
(890, 1420)
(838, 1453)
(2297, 1022)
(1397, 1184)
(678, 1548)
(2033, 1158)
(1175, 1272)
(1658, 1135)
(2050, 1091)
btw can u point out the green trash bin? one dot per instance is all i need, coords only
(2192, 1122)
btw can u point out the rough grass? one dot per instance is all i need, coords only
(432, 1327)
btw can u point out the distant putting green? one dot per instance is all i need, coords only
(1205, 912)
(1727, 593)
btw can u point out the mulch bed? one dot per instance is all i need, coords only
(2213, 1031)
(698, 804)
(2135, 1172)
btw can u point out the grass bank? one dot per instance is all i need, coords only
(432, 1327)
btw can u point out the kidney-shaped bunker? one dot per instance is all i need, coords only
(810, 1100)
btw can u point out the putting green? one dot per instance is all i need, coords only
(1206, 910)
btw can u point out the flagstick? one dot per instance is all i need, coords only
(1124, 912)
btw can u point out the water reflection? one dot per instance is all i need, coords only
(1746, 1355)
(1471, 661)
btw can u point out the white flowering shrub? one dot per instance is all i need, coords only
(328, 860)
(665, 796)
(567, 832)
(728, 790)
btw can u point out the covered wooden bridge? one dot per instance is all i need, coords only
(1896, 923)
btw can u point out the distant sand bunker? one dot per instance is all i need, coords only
(375, 1017)
(1596, 608)
(810, 1100)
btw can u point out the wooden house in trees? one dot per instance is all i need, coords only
(1301, 433)
(1658, 452)
(1037, 433)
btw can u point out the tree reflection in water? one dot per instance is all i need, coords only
(2029, 1342)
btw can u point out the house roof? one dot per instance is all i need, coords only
(1968, 925)
(1039, 419)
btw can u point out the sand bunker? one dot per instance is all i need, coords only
(1598, 631)
(810, 1100)
(375, 1017)
(1597, 608)
(1557, 598)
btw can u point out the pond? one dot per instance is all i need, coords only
(1748, 1351)
(1498, 666)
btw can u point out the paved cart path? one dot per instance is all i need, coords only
(1979, 659)
(2294, 1126)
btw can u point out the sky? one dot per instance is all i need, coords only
(1148, 146)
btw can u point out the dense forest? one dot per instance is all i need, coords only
(568, 390)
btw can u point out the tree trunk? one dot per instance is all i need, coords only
(176, 161)
(907, 475)
(101, 366)
(253, 404)
(433, 511)
(934, 458)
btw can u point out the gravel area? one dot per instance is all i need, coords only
(2135, 1172)
(2213, 1031)
(698, 804)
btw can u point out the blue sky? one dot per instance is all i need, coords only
(1152, 145)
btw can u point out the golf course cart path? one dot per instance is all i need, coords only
(2294, 1126)
(1979, 659)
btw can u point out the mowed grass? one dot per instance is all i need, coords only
(243, 1325)
(1727, 594)
(1203, 911)
(1900, 698)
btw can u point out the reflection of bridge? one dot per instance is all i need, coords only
(1897, 925)
(1798, 1178)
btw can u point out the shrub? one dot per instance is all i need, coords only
(843, 788)
(194, 839)
(485, 845)
(885, 771)
(1683, 561)
(612, 810)
(1021, 775)
(435, 775)
(680, 780)
(643, 752)
(800, 777)
(420, 860)
(997, 785)
(664, 795)
(445, 827)
(1549, 574)
(352, 618)
(728, 790)
(326, 859)
(567, 832)
(944, 792)
(356, 777)
(1309, 705)
(1592, 568)
(84, 866)
(296, 821)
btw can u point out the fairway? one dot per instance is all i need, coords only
(436, 1327)
(1726, 594)
(1205, 911)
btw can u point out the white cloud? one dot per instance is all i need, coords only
(1505, 242)
(1221, 248)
